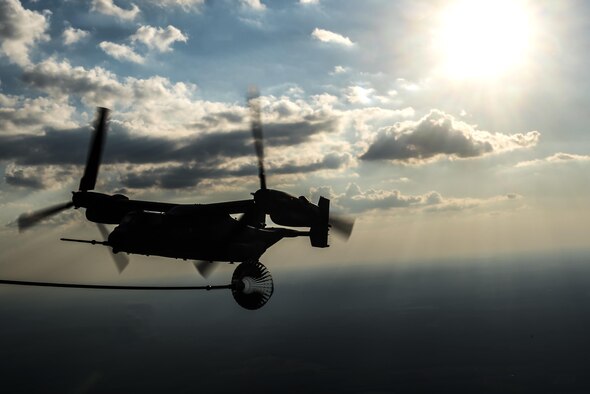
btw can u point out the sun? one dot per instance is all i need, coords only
(483, 38)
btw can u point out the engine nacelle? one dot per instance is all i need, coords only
(285, 209)
(102, 208)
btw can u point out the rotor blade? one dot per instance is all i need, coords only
(342, 225)
(27, 220)
(121, 260)
(88, 180)
(205, 268)
(256, 124)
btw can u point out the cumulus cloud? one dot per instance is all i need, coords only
(331, 37)
(37, 177)
(184, 175)
(355, 200)
(157, 106)
(307, 2)
(151, 161)
(121, 52)
(490, 204)
(68, 146)
(95, 86)
(439, 135)
(160, 128)
(361, 95)
(358, 94)
(558, 158)
(186, 5)
(108, 7)
(22, 115)
(158, 38)
(255, 5)
(339, 70)
(72, 35)
(20, 30)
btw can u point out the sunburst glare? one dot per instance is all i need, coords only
(483, 39)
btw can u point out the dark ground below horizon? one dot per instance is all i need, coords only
(492, 326)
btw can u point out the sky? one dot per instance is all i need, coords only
(455, 132)
(447, 128)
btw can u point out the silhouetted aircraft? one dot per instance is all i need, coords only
(205, 233)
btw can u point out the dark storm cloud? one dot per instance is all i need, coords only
(439, 134)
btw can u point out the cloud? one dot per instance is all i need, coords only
(107, 7)
(358, 201)
(95, 86)
(159, 161)
(331, 161)
(439, 135)
(331, 37)
(158, 38)
(255, 5)
(186, 175)
(22, 115)
(161, 128)
(186, 5)
(69, 146)
(20, 30)
(37, 177)
(120, 52)
(19, 177)
(491, 204)
(72, 35)
(558, 158)
(339, 70)
(156, 106)
(355, 200)
(308, 2)
(361, 95)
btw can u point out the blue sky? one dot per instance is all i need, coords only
(447, 129)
